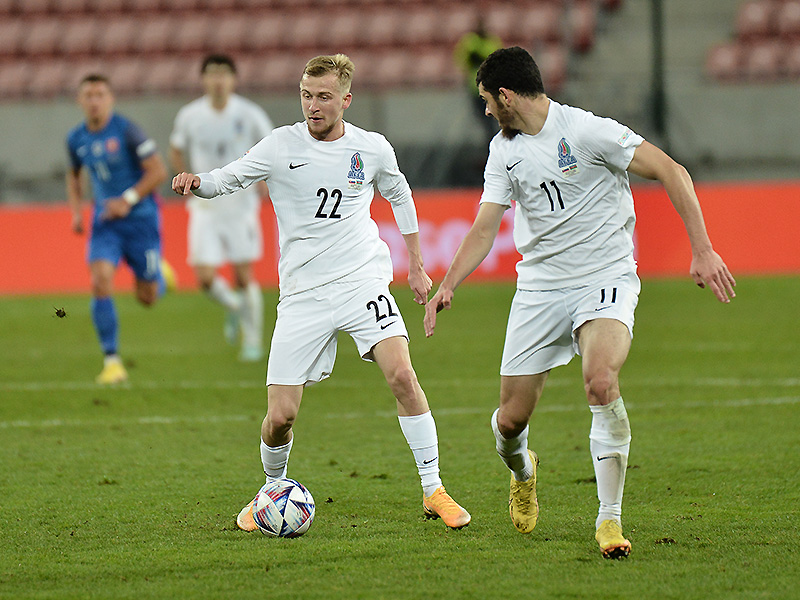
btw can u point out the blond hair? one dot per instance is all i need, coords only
(338, 64)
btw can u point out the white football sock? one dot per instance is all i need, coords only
(610, 442)
(221, 292)
(513, 451)
(252, 316)
(420, 432)
(276, 459)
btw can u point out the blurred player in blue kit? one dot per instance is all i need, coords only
(125, 169)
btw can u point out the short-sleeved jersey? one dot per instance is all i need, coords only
(113, 157)
(212, 138)
(321, 193)
(574, 216)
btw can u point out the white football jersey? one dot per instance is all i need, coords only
(211, 138)
(321, 193)
(574, 215)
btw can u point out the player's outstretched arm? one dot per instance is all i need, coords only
(707, 267)
(183, 183)
(473, 249)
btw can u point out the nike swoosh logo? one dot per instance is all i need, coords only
(599, 458)
(514, 165)
(601, 308)
(297, 166)
(427, 462)
(388, 325)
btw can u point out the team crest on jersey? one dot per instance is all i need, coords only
(566, 162)
(112, 145)
(355, 178)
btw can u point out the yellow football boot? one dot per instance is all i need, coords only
(612, 543)
(113, 372)
(522, 503)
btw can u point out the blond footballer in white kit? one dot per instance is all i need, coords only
(577, 287)
(334, 270)
(211, 132)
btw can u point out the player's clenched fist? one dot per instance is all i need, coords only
(183, 183)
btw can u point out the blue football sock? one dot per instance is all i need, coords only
(104, 317)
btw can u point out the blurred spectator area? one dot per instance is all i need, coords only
(155, 46)
(764, 46)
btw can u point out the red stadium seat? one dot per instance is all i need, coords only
(162, 75)
(191, 33)
(552, 60)
(229, 33)
(755, 19)
(155, 33)
(12, 32)
(724, 62)
(436, 69)
(126, 75)
(383, 27)
(421, 26)
(14, 78)
(49, 79)
(582, 25)
(79, 36)
(72, 6)
(763, 61)
(305, 30)
(460, 20)
(342, 29)
(791, 61)
(34, 6)
(118, 35)
(266, 32)
(41, 36)
(788, 20)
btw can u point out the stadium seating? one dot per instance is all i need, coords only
(765, 35)
(145, 44)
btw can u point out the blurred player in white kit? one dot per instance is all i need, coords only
(211, 132)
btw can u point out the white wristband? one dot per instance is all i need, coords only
(131, 196)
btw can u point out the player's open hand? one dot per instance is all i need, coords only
(421, 285)
(77, 223)
(709, 269)
(183, 183)
(442, 299)
(115, 208)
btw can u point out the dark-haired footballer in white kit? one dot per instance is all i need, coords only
(577, 287)
(334, 269)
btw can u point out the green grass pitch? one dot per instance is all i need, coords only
(132, 492)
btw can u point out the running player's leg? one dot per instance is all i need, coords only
(419, 428)
(604, 346)
(252, 312)
(106, 324)
(519, 395)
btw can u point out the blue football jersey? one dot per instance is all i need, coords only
(113, 157)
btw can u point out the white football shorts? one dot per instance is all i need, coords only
(542, 324)
(303, 347)
(218, 235)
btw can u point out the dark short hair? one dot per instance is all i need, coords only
(510, 68)
(218, 59)
(94, 78)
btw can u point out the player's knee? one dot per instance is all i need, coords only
(279, 422)
(402, 380)
(601, 386)
(511, 423)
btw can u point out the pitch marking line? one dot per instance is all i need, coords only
(211, 419)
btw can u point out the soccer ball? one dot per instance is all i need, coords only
(283, 508)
